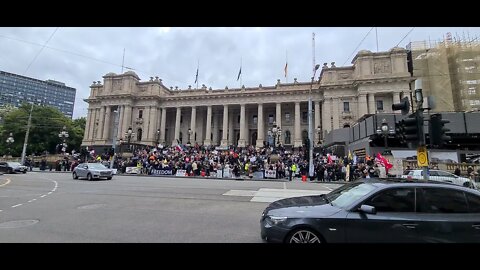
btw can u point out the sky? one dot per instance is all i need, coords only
(79, 56)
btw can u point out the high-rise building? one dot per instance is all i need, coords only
(450, 72)
(16, 89)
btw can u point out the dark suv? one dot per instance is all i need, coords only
(373, 210)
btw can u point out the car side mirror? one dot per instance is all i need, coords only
(368, 209)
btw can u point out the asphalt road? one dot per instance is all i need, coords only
(54, 208)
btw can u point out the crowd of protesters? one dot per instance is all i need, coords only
(244, 162)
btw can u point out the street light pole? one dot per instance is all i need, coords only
(310, 126)
(114, 137)
(63, 135)
(24, 150)
(9, 141)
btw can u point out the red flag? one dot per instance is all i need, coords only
(384, 162)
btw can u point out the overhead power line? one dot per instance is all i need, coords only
(358, 45)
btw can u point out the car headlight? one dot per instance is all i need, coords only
(276, 220)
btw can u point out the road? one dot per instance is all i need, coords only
(53, 208)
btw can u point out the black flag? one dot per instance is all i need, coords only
(239, 73)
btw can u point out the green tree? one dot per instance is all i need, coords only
(47, 123)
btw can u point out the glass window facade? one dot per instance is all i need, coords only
(16, 89)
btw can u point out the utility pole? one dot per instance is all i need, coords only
(24, 151)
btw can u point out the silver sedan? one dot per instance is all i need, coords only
(92, 171)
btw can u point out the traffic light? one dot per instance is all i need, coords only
(404, 106)
(437, 130)
(409, 129)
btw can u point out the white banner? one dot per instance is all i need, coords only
(181, 173)
(226, 173)
(270, 174)
(132, 170)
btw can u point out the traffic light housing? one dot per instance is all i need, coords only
(437, 130)
(409, 129)
(404, 106)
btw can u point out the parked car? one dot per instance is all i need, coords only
(442, 176)
(92, 171)
(12, 167)
(376, 210)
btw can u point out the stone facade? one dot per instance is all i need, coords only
(244, 116)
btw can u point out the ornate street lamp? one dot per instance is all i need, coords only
(9, 141)
(63, 135)
(384, 130)
(319, 133)
(158, 137)
(275, 132)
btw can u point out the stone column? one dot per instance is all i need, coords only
(163, 122)
(297, 142)
(241, 142)
(371, 104)
(93, 117)
(208, 132)
(152, 125)
(362, 105)
(278, 120)
(128, 118)
(326, 116)
(260, 126)
(101, 123)
(225, 125)
(146, 124)
(336, 113)
(215, 128)
(231, 131)
(87, 125)
(106, 124)
(317, 121)
(177, 126)
(193, 123)
(121, 111)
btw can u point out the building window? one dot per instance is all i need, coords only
(346, 106)
(288, 137)
(140, 114)
(139, 134)
(346, 125)
(255, 120)
(379, 105)
(238, 119)
(181, 118)
(270, 119)
(287, 117)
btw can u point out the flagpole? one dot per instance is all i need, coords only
(198, 66)
(286, 66)
(241, 75)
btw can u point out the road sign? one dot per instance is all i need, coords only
(422, 157)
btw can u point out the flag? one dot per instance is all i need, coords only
(384, 162)
(286, 65)
(196, 76)
(239, 73)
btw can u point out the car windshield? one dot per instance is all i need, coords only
(347, 194)
(97, 166)
(11, 164)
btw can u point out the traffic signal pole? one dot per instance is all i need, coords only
(421, 131)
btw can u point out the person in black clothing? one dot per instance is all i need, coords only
(457, 171)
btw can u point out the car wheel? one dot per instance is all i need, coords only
(89, 177)
(467, 184)
(75, 176)
(24, 171)
(109, 178)
(304, 236)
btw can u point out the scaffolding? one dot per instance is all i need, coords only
(450, 72)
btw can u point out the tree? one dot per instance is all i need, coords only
(47, 122)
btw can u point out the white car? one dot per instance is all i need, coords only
(441, 176)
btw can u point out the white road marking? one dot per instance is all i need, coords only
(50, 192)
(284, 185)
(32, 200)
(43, 196)
(271, 195)
(17, 205)
(329, 188)
(1, 210)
